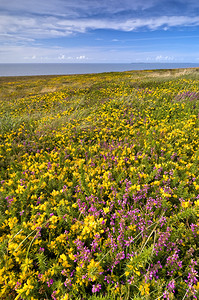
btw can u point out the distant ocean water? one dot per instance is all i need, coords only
(83, 68)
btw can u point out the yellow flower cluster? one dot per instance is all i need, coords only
(99, 185)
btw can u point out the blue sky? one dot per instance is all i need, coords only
(102, 31)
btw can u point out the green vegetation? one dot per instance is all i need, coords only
(99, 194)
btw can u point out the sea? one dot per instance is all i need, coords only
(33, 69)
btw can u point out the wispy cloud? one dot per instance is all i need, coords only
(30, 28)
(86, 54)
(161, 58)
(24, 24)
(86, 8)
(59, 18)
(43, 54)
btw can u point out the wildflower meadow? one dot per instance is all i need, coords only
(99, 186)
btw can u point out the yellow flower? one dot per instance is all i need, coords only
(185, 204)
(64, 262)
(55, 193)
(144, 289)
(196, 286)
(94, 269)
(197, 202)
(127, 273)
(20, 189)
(132, 227)
(71, 256)
(12, 222)
(54, 219)
(106, 210)
(26, 288)
(65, 297)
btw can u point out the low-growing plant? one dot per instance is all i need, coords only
(100, 186)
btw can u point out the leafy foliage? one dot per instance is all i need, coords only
(99, 195)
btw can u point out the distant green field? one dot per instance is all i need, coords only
(99, 193)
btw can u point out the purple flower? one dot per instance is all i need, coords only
(67, 283)
(50, 282)
(194, 229)
(64, 188)
(171, 286)
(9, 200)
(166, 295)
(96, 288)
(17, 285)
(40, 276)
(53, 295)
(131, 280)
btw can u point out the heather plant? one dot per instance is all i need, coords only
(100, 186)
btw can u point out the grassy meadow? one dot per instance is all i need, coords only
(99, 186)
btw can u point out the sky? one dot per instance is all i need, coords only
(99, 31)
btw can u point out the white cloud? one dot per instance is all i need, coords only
(128, 25)
(26, 24)
(81, 57)
(26, 20)
(29, 29)
(61, 57)
(166, 58)
(156, 23)
(104, 54)
(74, 8)
(46, 54)
(84, 8)
(72, 58)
